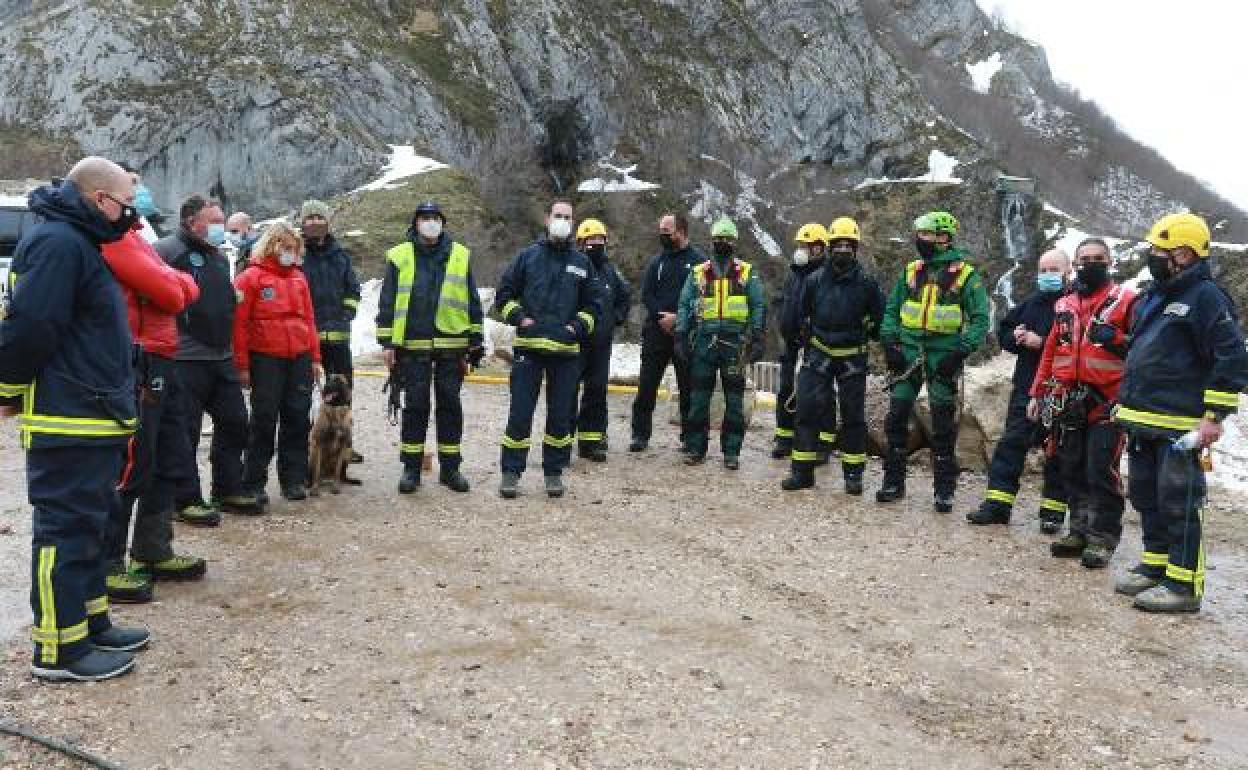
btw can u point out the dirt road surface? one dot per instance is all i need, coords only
(656, 617)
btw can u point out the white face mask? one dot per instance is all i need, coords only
(801, 257)
(286, 258)
(559, 229)
(429, 228)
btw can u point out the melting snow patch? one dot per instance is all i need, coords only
(404, 162)
(1230, 455)
(353, 233)
(623, 180)
(1229, 246)
(1049, 207)
(983, 72)
(939, 170)
(364, 327)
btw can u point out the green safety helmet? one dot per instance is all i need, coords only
(724, 228)
(937, 222)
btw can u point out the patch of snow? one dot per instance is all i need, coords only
(929, 123)
(404, 163)
(13, 201)
(364, 327)
(940, 168)
(625, 362)
(623, 180)
(1229, 246)
(1049, 207)
(982, 72)
(353, 233)
(1230, 455)
(709, 202)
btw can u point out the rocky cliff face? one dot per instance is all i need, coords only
(775, 112)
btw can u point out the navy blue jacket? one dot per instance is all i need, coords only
(665, 278)
(65, 349)
(1036, 313)
(207, 325)
(334, 286)
(617, 299)
(840, 311)
(1186, 355)
(790, 296)
(422, 302)
(555, 287)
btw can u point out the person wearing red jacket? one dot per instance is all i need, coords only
(1076, 386)
(278, 355)
(158, 456)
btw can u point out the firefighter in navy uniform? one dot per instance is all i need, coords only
(1022, 332)
(66, 368)
(1184, 372)
(429, 321)
(549, 294)
(812, 242)
(838, 310)
(591, 418)
(936, 317)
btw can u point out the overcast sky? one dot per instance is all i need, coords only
(1171, 74)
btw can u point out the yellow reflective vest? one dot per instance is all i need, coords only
(452, 320)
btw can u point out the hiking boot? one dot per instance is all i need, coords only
(95, 666)
(510, 485)
(797, 480)
(1050, 526)
(1162, 598)
(894, 486)
(942, 502)
(781, 451)
(199, 514)
(989, 512)
(121, 639)
(174, 568)
(1137, 580)
(638, 445)
(1069, 547)
(356, 457)
(554, 485)
(454, 480)
(244, 504)
(892, 491)
(853, 485)
(1096, 556)
(409, 481)
(128, 588)
(732, 462)
(295, 492)
(693, 459)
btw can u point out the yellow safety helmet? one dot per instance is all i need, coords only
(589, 228)
(1174, 230)
(812, 233)
(844, 228)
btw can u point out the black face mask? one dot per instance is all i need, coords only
(1159, 267)
(842, 261)
(129, 217)
(723, 249)
(597, 252)
(926, 249)
(1090, 277)
(667, 241)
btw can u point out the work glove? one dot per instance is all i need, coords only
(895, 358)
(950, 365)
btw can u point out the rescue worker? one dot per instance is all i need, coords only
(719, 329)
(158, 456)
(278, 356)
(1079, 374)
(838, 309)
(591, 418)
(65, 367)
(1184, 373)
(936, 317)
(1022, 332)
(549, 294)
(812, 242)
(206, 370)
(335, 293)
(429, 322)
(660, 294)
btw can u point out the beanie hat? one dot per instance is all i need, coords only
(314, 208)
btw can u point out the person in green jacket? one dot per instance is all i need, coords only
(719, 328)
(937, 315)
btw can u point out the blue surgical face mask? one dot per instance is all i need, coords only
(215, 234)
(143, 202)
(1049, 282)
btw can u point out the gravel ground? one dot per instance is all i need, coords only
(656, 617)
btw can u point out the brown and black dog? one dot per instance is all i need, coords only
(329, 445)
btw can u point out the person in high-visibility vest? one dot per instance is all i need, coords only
(429, 323)
(719, 328)
(937, 316)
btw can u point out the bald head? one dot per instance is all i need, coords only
(239, 222)
(103, 183)
(1054, 261)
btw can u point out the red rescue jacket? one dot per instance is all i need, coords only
(155, 292)
(274, 314)
(1071, 358)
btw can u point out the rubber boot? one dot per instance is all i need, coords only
(799, 478)
(410, 480)
(894, 486)
(944, 464)
(853, 483)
